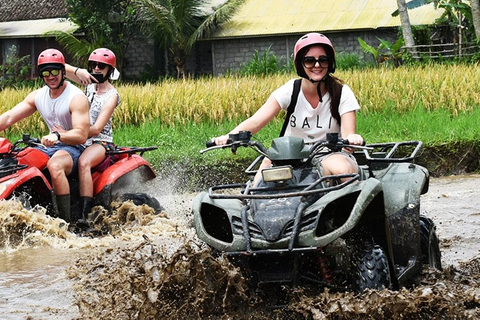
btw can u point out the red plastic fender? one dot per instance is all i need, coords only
(5, 145)
(117, 170)
(11, 182)
(33, 158)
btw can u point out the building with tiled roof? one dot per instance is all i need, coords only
(17, 10)
(23, 23)
(272, 25)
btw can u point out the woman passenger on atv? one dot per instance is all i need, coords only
(323, 103)
(103, 98)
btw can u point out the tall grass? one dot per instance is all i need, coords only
(427, 95)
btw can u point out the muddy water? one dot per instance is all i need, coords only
(147, 266)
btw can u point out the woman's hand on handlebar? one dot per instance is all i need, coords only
(355, 139)
(222, 140)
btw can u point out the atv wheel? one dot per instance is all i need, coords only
(371, 269)
(143, 198)
(429, 243)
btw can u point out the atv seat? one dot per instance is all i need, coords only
(106, 163)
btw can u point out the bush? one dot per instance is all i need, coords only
(267, 64)
(16, 70)
(350, 61)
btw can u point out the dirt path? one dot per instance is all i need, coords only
(454, 205)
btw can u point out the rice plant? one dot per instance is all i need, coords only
(213, 100)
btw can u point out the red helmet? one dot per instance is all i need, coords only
(50, 58)
(103, 55)
(306, 41)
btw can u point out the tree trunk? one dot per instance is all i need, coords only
(406, 27)
(476, 16)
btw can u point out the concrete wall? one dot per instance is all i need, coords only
(140, 53)
(217, 57)
(230, 54)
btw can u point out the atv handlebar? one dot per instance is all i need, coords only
(235, 140)
(27, 141)
(243, 139)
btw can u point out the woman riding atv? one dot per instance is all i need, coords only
(324, 105)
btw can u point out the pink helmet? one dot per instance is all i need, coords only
(306, 41)
(50, 58)
(103, 55)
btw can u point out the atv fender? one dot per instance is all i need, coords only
(368, 190)
(124, 176)
(402, 188)
(212, 219)
(30, 175)
(403, 184)
(120, 169)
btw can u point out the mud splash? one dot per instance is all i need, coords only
(147, 266)
(143, 282)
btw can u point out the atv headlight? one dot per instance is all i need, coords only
(282, 173)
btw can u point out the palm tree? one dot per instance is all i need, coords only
(450, 4)
(476, 16)
(406, 27)
(178, 24)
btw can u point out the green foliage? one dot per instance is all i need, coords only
(386, 52)
(412, 4)
(105, 23)
(15, 72)
(374, 52)
(178, 24)
(79, 49)
(350, 61)
(263, 65)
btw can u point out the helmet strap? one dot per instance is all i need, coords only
(62, 81)
(319, 82)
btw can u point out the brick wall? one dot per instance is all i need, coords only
(140, 52)
(217, 57)
(230, 54)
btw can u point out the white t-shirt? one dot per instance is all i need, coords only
(96, 105)
(313, 124)
(56, 111)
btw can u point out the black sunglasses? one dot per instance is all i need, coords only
(309, 62)
(53, 72)
(100, 65)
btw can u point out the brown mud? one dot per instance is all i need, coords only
(188, 283)
(147, 266)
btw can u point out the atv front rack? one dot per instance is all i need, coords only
(5, 171)
(287, 192)
(393, 151)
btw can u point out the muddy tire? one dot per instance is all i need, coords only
(371, 270)
(143, 198)
(429, 243)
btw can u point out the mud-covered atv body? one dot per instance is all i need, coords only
(348, 232)
(24, 175)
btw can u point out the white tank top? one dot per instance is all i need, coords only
(56, 111)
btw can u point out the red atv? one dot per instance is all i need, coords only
(24, 175)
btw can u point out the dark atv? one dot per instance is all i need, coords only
(346, 232)
(24, 175)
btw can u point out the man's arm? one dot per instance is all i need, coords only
(22, 110)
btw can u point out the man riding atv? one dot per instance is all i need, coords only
(59, 103)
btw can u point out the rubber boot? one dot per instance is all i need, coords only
(87, 204)
(64, 207)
